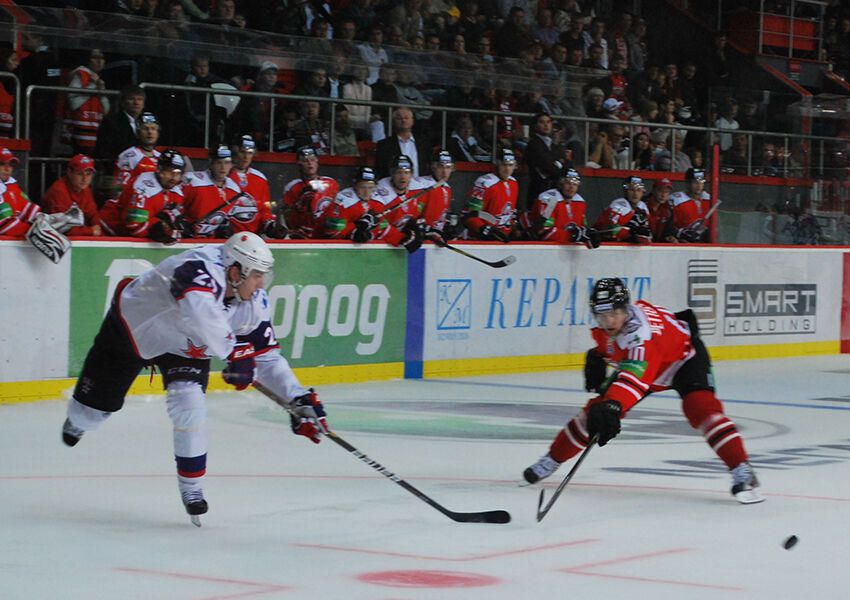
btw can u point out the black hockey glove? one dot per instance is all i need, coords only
(689, 235)
(412, 239)
(491, 232)
(584, 235)
(308, 417)
(595, 371)
(169, 226)
(275, 229)
(452, 227)
(438, 236)
(603, 420)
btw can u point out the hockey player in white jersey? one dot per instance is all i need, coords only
(175, 316)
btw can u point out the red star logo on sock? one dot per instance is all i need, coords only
(194, 351)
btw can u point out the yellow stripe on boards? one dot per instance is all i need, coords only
(462, 367)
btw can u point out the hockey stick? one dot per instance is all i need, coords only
(418, 194)
(496, 264)
(544, 511)
(488, 516)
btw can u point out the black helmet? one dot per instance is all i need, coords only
(171, 159)
(365, 174)
(695, 175)
(608, 294)
(633, 180)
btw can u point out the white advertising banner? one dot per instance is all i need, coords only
(538, 305)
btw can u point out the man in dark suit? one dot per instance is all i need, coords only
(546, 159)
(401, 142)
(117, 131)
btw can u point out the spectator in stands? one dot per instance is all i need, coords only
(636, 42)
(409, 94)
(361, 13)
(663, 158)
(615, 109)
(619, 146)
(311, 129)
(643, 157)
(403, 142)
(74, 189)
(595, 36)
(593, 104)
(315, 84)
(546, 160)
(317, 46)
(688, 88)
(41, 67)
(555, 65)
(373, 53)
(596, 58)
(647, 112)
(254, 114)
(727, 120)
(769, 162)
(572, 37)
(667, 112)
(681, 159)
(717, 62)
(472, 24)
(9, 63)
(345, 34)
(575, 56)
(749, 117)
(600, 154)
(673, 90)
(513, 35)
(197, 10)
(198, 106)
(384, 90)
(617, 37)
(345, 140)
(545, 30)
(117, 131)
(358, 89)
(462, 144)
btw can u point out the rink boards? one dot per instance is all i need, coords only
(345, 313)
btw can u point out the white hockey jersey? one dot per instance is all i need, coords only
(178, 307)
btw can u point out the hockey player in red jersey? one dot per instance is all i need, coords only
(433, 206)
(305, 199)
(626, 219)
(397, 191)
(17, 212)
(151, 206)
(650, 349)
(255, 184)
(74, 190)
(355, 214)
(215, 206)
(491, 208)
(142, 157)
(690, 208)
(558, 214)
(660, 211)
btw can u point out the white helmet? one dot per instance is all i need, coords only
(249, 252)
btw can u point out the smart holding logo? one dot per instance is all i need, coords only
(454, 304)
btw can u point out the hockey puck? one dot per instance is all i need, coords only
(790, 542)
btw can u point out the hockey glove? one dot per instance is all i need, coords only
(363, 229)
(688, 235)
(275, 229)
(491, 232)
(412, 239)
(584, 235)
(603, 420)
(308, 417)
(169, 226)
(437, 236)
(595, 371)
(240, 368)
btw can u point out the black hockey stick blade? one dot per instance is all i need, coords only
(487, 516)
(543, 511)
(496, 264)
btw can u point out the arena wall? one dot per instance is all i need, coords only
(347, 313)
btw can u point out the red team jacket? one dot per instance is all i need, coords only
(687, 210)
(305, 201)
(431, 207)
(493, 196)
(255, 184)
(16, 210)
(618, 214)
(60, 197)
(135, 210)
(647, 353)
(339, 218)
(551, 214)
(660, 215)
(132, 162)
(207, 206)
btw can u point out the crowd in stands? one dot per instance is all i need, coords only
(568, 58)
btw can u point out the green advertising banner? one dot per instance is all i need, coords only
(330, 306)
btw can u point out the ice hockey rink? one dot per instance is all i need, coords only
(648, 516)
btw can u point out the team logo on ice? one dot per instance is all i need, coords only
(454, 304)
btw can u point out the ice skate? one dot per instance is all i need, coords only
(70, 434)
(540, 470)
(744, 484)
(195, 506)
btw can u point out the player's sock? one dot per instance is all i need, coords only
(571, 440)
(723, 437)
(190, 479)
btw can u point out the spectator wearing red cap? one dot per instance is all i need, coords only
(16, 210)
(74, 189)
(660, 211)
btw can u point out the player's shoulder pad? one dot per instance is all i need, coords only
(11, 181)
(635, 331)
(621, 206)
(487, 180)
(420, 183)
(147, 184)
(384, 191)
(232, 186)
(347, 197)
(199, 179)
(642, 206)
(705, 196)
(677, 198)
(291, 185)
(259, 174)
(550, 196)
(578, 198)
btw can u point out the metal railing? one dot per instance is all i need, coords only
(10, 75)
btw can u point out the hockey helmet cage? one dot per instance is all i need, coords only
(695, 175)
(507, 156)
(403, 162)
(608, 294)
(171, 159)
(249, 252)
(365, 174)
(221, 152)
(633, 180)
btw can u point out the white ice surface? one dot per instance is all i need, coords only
(292, 520)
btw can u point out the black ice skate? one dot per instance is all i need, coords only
(70, 434)
(744, 484)
(195, 507)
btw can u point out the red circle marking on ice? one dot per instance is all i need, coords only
(427, 579)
